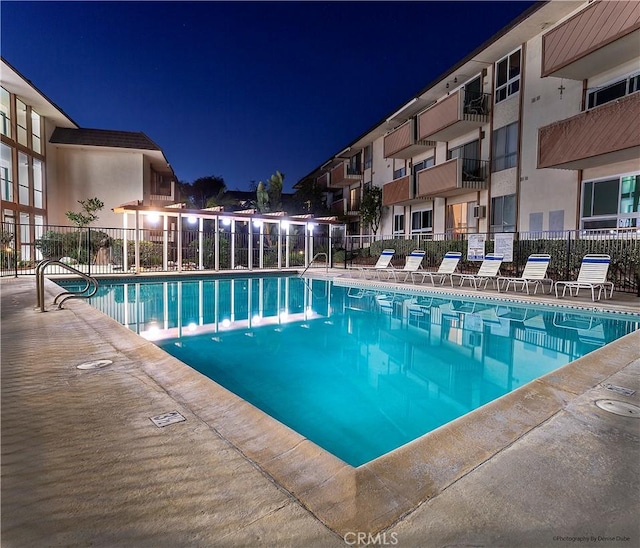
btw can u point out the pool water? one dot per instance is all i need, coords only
(357, 371)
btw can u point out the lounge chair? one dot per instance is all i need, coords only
(592, 275)
(412, 263)
(489, 270)
(446, 268)
(535, 272)
(383, 262)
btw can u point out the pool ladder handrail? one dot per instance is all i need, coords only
(40, 269)
(326, 264)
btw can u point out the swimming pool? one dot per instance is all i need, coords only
(360, 372)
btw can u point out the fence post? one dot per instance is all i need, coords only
(568, 263)
(88, 251)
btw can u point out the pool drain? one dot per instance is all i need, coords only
(620, 389)
(95, 364)
(621, 408)
(167, 418)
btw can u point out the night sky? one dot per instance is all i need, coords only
(242, 89)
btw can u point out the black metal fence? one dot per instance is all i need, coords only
(567, 248)
(112, 250)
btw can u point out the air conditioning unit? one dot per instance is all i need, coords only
(479, 211)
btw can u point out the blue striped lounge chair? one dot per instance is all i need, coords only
(535, 272)
(383, 262)
(446, 268)
(412, 263)
(489, 270)
(592, 275)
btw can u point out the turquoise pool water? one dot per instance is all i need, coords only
(356, 371)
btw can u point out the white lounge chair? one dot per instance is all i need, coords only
(535, 272)
(383, 262)
(446, 268)
(412, 263)
(489, 270)
(592, 275)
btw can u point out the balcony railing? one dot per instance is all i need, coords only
(461, 112)
(601, 36)
(402, 142)
(344, 175)
(397, 192)
(456, 176)
(602, 135)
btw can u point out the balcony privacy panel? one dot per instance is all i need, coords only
(398, 140)
(323, 180)
(435, 181)
(596, 26)
(439, 116)
(575, 143)
(397, 191)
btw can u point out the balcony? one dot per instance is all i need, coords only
(456, 176)
(397, 192)
(402, 142)
(323, 180)
(344, 175)
(601, 36)
(603, 135)
(346, 207)
(461, 112)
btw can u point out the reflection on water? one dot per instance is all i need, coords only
(339, 363)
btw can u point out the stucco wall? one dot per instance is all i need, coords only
(545, 190)
(116, 177)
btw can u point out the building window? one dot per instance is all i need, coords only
(23, 179)
(611, 203)
(422, 221)
(38, 186)
(459, 218)
(6, 173)
(5, 112)
(36, 129)
(368, 156)
(508, 76)
(505, 147)
(354, 165)
(613, 91)
(398, 225)
(22, 122)
(503, 213)
(423, 165)
(399, 173)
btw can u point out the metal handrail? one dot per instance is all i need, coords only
(314, 258)
(40, 269)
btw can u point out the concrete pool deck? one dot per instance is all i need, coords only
(82, 464)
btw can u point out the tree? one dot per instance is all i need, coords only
(276, 182)
(269, 195)
(85, 217)
(310, 198)
(262, 198)
(204, 191)
(371, 207)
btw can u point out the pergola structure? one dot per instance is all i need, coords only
(176, 224)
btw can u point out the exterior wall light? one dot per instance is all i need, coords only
(192, 219)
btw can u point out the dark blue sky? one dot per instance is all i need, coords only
(241, 89)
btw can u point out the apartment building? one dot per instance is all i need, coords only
(48, 163)
(535, 130)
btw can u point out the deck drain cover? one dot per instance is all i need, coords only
(96, 364)
(619, 408)
(620, 389)
(167, 418)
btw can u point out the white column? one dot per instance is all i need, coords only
(165, 242)
(279, 246)
(233, 244)
(125, 244)
(200, 244)
(179, 242)
(261, 247)
(216, 244)
(136, 243)
(250, 259)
